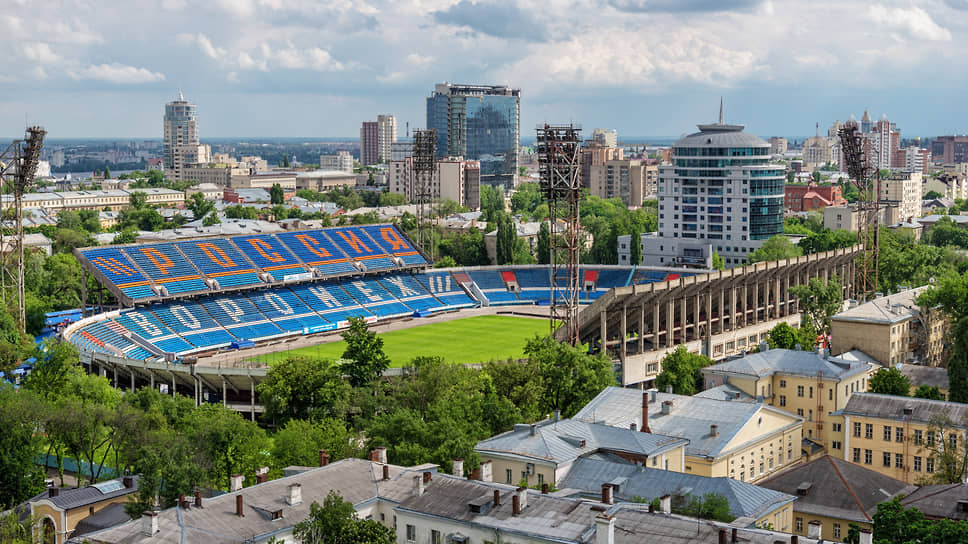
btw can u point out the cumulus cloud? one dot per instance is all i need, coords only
(40, 52)
(495, 18)
(914, 22)
(117, 73)
(203, 43)
(674, 6)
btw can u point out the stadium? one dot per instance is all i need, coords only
(205, 316)
(191, 309)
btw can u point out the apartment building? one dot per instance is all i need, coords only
(894, 436)
(806, 383)
(454, 179)
(848, 217)
(903, 189)
(743, 441)
(114, 199)
(778, 145)
(341, 161)
(181, 147)
(892, 329)
(626, 179)
(594, 153)
(221, 174)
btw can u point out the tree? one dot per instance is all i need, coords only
(210, 220)
(303, 388)
(930, 392)
(826, 240)
(107, 172)
(56, 362)
(783, 336)
(526, 197)
(708, 506)
(819, 301)
(568, 375)
(544, 244)
(635, 249)
(931, 195)
(683, 371)
(776, 248)
(366, 360)
(199, 206)
(890, 381)
(239, 211)
(138, 200)
(445, 262)
(276, 194)
(951, 296)
(895, 524)
(227, 443)
(718, 263)
(335, 522)
(299, 441)
(20, 477)
(945, 446)
(492, 201)
(124, 237)
(392, 199)
(507, 235)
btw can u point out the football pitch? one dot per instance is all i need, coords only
(470, 340)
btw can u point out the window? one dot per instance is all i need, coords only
(799, 525)
(899, 434)
(898, 460)
(655, 461)
(930, 439)
(799, 390)
(789, 454)
(434, 536)
(856, 429)
(508, 476)
(953, 441)
(856, 458)
(929, 465)
(836, 530)
(887, 459)
(917, 464)
(540, 479)
(782, 383)
(830, 394)
(836, 445)
(887, 433)
(752, 471)
(782, 400)
(838, 427)
(411, 533)
(868, 457)
(809, 415)
(811, 391)
(800, 412)
(869, 431)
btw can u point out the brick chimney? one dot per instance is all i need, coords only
(386, 472)
(645, 413)
(149, 523)
(714, 430)
(735, 535)
(323, 458)
(607, 494)
(295, 495)
(236, 482)
(544, 489)
(457, 468)
(515, 505)
(723, 537)
(497, 497)
(487, 471)
(198, 499)
(238, 506)
(604, 529)
(476, 474)
(128, 482)
(53, 491)
(182, 503)
(426, 477)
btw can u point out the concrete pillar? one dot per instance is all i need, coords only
(776, 298)
(625, 331)
(786, 295)
(152, 379)
(252, 399)
(732, 309)
(173, 384)
(655, 325)
(745, 305)
(756, 302)
(603, 330)
(132, 381)
(642, 328)
(198, 391)
(722, 313)
(682, 321)
(224, 401)
(115, 368)
(670, 322)
(709, 313)
(695, 317)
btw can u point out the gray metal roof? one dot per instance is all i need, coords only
(837, 488)
(725, 392)
(887, 309)
(566, 440)
(67, 498)
(892, 407)
(938, 501)
(931, 376)
(788, 361)
(689, 417)
(745, 500)
(721, 136)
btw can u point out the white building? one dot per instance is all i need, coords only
(341, 161)
(606, 138)
(386, 126)
(181, 146)
(903, 189)
(454, 179)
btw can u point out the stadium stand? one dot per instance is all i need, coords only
(288, 311)
(120, 270)
(408, 290)
(388, 237)
(360, 247)
(221, 261)
(446, 288)
(167, 267)
(370, 294)
(240, 317)
(318, 251)
(492, 285)
(330, 301)
(269, 254)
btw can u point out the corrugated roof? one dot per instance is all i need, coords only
(788, 361)
(67, 498)
(745, 500)
(892, 407)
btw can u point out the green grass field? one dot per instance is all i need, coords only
(471, 340)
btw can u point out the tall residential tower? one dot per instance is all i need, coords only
(376, 139)
(181, 147)
(478, 122)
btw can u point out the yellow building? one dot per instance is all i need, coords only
(740, 440)
(806, 383)
(832, 493)
(892, 329)
(892, 435)
(59, 511)
(544, 452)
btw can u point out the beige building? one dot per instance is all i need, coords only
(744, 441)
(892, 329)
(180, 144)
(894, 436)
(454, 179)
(931, 376)
(287, 180)
(593, 153)
(62, 513)
(325, 180)
(626, 179)
(817, 151)
(545, 452)
(805, 383)
(778, 145)
(115, 199)
(848, 218)
(341, 161)
(904, 190)
(220, 174)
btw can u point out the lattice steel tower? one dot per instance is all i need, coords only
(424, 165)
(559, 164)
(860, 160)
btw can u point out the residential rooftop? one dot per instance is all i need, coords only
(887, 309)
(895, 408)
(947, 501)
(932, 376)
(790, 362)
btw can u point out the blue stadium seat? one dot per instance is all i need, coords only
(608, 278)
(286, 310)
(331, 301)
(218, 259)
(240, 317)
(443, 286)
(143, 323)
(394, 243)
(375, 298)
(487, 279)
(354, 242)
(184, 317)
(119, 270)
(138, 353)
(408, 290)
(166, 266)
(269, 254)
(316, 250)
(174, 344)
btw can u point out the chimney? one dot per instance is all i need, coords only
(645, 413)
(238, 506)
(198, 499)
(723, 536)
(604, 529)
(386, 472)
(523, 494)
(665, 504)
(794, 539)
(557, 415)
(182, 503)
(607, 493)
(236, 482)
(633, 427)
(418, 485)
(764, 346)
(534, 429)
(149, 523)
(666, 407)
(295, 495)
(651, 508)
(261, 478)
(814, 529)
(653, 395)
(381, 455)
(457, 469)
(544, 489)
(669, 389)
(497, 497)
(487, 471)
(426, 477)
(714, 430)
(866, 536)
(128, 482)
(323, 458)
(53, 491)
(476, 474)
(735, 538)
(515, 505)
(738, 395)
(374, 456)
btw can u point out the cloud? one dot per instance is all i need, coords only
(289, 58)
(203, 43)
(500, 19)
(40, 52)
(117, 73)
(915, 22)
(678, 6)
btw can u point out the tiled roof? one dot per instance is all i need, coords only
(837, 488)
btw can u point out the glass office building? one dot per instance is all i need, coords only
(481, 123)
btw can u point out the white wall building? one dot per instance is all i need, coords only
(341, 161)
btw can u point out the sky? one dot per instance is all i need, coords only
(303, 68)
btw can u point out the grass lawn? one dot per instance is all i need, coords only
(471, 340)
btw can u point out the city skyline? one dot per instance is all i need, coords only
(273, 70)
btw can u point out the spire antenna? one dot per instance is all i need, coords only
(721, 122)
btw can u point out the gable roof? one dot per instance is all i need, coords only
(887, 309)
(566, 440)
(837, 488)
(689, 418)
(745, 500)
(932, 376)
(68, 498)
(892, 407)
(939, 501)
(788, 361)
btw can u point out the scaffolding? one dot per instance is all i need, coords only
(18, 164)
(424, 161)
(559, 164)
(860, 160)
